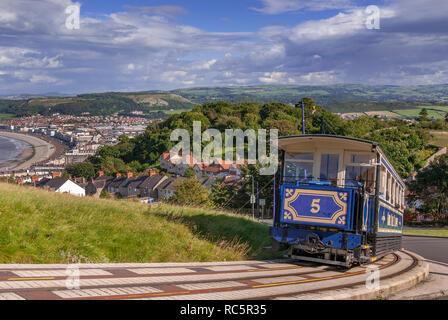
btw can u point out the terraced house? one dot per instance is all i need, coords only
(218, 168)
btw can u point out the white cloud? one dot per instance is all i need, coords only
(7, 17)
(203, 65)
(37, 78)
(282, 6)
(273, 77)
(323, 77)
(143, 48)
(173, 76)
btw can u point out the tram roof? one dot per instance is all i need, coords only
(298, 143)
(295, 143)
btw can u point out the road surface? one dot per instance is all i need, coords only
(435, 249)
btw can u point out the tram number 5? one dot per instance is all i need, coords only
(315, 206)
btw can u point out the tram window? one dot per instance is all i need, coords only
(329, 166)
(362, 174)
(299, 166)
(358, 158)
(383, 179)
(392, 200)
(296, 171)
(388, 186)
(395, 192)
(300, 156)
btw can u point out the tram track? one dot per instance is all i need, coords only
(245, 280)
(401, 272)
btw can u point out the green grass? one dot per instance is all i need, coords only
(216, 226)
(413, 113)
(440, 138)
(38, 226)
(6, 116)
(383, 113)
(427, 232)
(171, 112)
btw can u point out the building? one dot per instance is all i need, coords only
(61, 185)
(150, 184)
(167, 189)
(177, 165)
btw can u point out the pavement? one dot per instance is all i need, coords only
(435, 286)
(435, 252)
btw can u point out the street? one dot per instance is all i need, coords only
(435, 249)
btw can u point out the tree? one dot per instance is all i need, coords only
(431, 187)
(190, 173)
(190, 192)
(9, 179)
(423, 115)
(223, 194)
(84, 169)
(112, 166)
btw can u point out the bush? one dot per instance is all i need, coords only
(190, 192)
(106, 195)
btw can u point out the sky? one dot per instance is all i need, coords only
(162, 45)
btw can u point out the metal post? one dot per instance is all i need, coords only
(149, 195)
(303, 117)
(253, 196)
(258, 204)
(262, 213)
(273, 212)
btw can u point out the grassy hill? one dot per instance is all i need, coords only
(38, 226)
(337, 98)
(404, 101)
(152, 104)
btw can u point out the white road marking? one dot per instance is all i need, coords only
(10, 296)
(210, 285)
(61, 273)
(104, 292)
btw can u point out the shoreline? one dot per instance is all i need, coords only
(39, 151)
(26, 155)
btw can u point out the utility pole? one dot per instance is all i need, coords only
(258, 204)
(303, 117)
(252, 196)
(149, 195)
(253, 199)
(273, 211)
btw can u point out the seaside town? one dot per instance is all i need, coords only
(71, 140)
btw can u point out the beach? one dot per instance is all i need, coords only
(39, 150)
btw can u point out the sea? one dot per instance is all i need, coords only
(11, 149)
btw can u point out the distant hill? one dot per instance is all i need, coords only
(151, 104)
(341, 98)
(336, 98)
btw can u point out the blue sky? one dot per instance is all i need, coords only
(219, 16)
(147, 45)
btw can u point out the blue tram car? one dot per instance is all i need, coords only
(340, 201)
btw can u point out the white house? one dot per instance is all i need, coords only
(62, 185)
